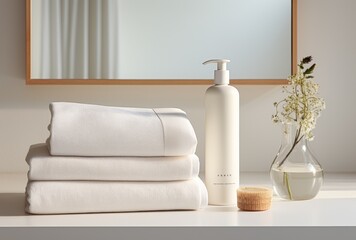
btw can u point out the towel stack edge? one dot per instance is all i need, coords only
(92, 130)
(45, 167)
(58, 197)
(114, 159)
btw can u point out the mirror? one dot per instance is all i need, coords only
(159, 41)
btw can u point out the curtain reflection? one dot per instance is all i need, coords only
(75, 39)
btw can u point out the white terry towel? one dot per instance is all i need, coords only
(43, 166)
(91, 130)
(55, 197)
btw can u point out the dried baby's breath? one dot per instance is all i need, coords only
(302, 105)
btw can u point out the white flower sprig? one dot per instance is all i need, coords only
(302, 105)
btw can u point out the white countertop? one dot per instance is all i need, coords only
(335, 205)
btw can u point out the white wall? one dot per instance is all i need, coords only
(326, 31)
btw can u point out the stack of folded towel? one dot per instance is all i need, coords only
(110, 159)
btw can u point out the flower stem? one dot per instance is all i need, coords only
(286, 181)
(296, 141)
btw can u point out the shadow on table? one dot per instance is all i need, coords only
(12, 204)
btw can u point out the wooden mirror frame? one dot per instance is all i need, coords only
(31, 81)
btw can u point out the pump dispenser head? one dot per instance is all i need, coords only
(221, 75)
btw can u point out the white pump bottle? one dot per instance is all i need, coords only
(222, 138)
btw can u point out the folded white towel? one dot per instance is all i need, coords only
(55, 197)
(92, 130)
(43, 166)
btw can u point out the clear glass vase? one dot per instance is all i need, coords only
(295, 172)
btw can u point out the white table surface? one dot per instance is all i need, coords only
(335, 205)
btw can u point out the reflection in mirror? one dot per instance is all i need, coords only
(158, 39)
(75, 39)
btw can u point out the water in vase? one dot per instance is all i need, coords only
(297, 183)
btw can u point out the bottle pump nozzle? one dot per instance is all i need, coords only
(221, 75)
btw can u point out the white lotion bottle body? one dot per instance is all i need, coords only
(222, 144)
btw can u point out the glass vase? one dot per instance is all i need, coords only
(295, 172)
